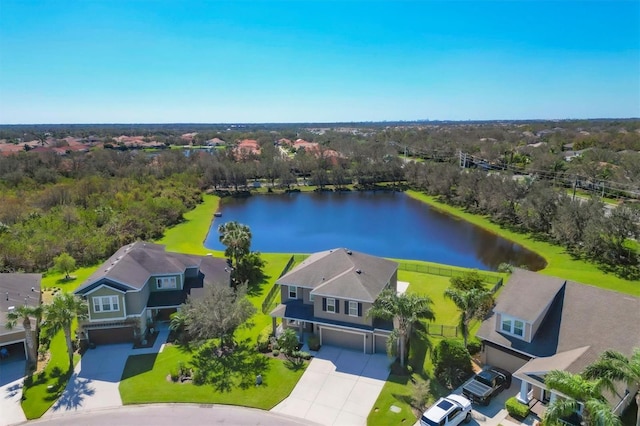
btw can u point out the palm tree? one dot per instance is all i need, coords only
(472, 304)
(25, 313)
(236, 237)
(405, 310)
(59, 315)
(578, 390)
(613, 366)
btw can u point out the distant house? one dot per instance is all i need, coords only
(215, 142)
(17, 290)
(246, 148)
(329, 295)
(140, 283)
(542, 323)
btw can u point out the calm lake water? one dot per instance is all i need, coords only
(387, 224)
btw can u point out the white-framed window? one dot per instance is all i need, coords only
(166, 282)
(331, 305)
(106, 304)
(293, 292)
(512, 326)
(312, 297)
(353, 308)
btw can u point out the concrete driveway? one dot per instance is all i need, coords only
(11, 377)
(339, 387)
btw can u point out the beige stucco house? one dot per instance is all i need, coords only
(542, 323)
(140, 283)
(329, 295)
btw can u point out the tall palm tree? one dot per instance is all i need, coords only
(613, 366)
(471, 304)
(25, 313)
(578, 390)
(59, 315)
(236, 237)
(405, 310)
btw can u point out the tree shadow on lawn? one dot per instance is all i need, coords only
(57, 388)
(257, 289)
(138, 364)
(420, 346)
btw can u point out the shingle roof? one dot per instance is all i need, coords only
(343, 274)
(15, 290)
(133, 264)
(536, 289)
(580, 315)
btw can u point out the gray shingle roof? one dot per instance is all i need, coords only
(15, 290)
(581, 315)
(343, 274)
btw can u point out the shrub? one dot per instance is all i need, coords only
(305, 355)
(276, 352)
(474, 346)
(175, 374)
(421, 396)
(197, 377)
(452, 363)
(314, 342)
(516, 408)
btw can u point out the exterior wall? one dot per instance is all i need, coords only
(538, 321)
(153, 282)
(527, 331)
(342, 315)
(106, 291)
(498, 323)
(191, 272)
(498, 358)
(14, 336)
(393, 282)
(137, 300)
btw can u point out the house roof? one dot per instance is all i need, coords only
(15, 291)
(580, 315)
(538, 290)
(133, 264)
(343, 274)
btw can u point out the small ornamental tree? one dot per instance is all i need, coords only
(65, 264)
(452, 363)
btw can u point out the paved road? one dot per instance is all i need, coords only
(171, 415)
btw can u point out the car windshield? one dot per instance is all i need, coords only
(426, 421)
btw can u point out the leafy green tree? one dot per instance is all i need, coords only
(577, 390)
(471, 304)
(613, 366)
(451, 362)
(60, 314)
(288, 342)
(64, 264)
(236, 237)
(218, 314)
(250, 270)
(467, 281)
(25, 313)
(405, 310)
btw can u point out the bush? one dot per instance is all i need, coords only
(314, 342)
(276, 352)
(421, 396)
(305, 355)
(175, 374)
(452, 363)
(197, 377)
(264, 340)
(474, 346)
(516, 408)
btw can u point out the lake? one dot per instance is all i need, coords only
(381, 223)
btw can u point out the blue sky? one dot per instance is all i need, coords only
(296, 61)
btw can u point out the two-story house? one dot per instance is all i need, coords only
(542, 323)
(140, 283)
(329, 295)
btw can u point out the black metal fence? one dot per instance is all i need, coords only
(443, 271)
(270, 300)
(443, 330)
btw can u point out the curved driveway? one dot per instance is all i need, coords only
(171, 415)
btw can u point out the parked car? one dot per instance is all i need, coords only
(448, 411)
(484, 385)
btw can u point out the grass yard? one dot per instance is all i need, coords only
(559, 262)
(145, 381)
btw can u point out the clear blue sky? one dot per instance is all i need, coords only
(264, 61)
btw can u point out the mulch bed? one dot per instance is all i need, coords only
(151, 340)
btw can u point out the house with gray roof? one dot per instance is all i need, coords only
(17, 290)
(140, 283)
(329, 294)
(542, 323)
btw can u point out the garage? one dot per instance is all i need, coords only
(13, 351)
(109, 336)
(342, 338)
(381, 344)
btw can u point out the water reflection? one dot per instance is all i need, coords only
(381, 223)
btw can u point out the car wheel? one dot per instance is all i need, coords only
(468, 418)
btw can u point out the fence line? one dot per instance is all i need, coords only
(442, 330)
(449, 272)
(269, 301)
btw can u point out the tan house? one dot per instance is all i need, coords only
(542, 323)
(329, 295)
(17, 290)
(141, 283)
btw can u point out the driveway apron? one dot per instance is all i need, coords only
(11, 378)
(339, 387)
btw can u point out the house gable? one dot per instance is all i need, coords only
(106, 304)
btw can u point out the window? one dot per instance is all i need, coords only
(311, 297)
(166, 282)
(331, 305)
(293, 292)
(106, 304)
(353, 309)
(512, 326)
(454, 413)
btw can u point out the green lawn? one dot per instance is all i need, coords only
(559, 262)
(145, 381)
